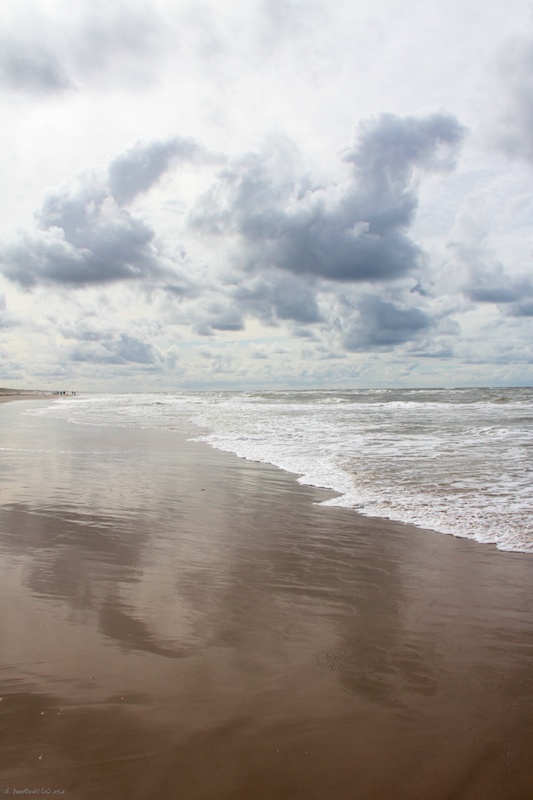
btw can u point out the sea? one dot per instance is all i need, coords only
(456, 461)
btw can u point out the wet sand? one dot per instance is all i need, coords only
(7, 396)
(180, 623)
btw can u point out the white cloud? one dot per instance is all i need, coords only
(176, 178)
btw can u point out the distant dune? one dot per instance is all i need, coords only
(27, 394)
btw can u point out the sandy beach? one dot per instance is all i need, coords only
(177, 622)
(7, 396)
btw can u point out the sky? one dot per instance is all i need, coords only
(265, 194)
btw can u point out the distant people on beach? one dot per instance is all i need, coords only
(64, 393)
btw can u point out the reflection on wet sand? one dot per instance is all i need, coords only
(131, 633)
(229, 638)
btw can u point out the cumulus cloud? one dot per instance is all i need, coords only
(222, 304)
(83, 236)
(81, 240)
(278, 296)
(216, 315)
(285, 239)
(500, 290)
(138, 168)
(353, 232)
(102, 338)
(124, 349)
(380, 324)
(514, 296)
(474, 269)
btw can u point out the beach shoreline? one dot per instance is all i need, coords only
(182, 622)
(8, 396)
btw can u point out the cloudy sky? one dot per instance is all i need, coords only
(266, 193)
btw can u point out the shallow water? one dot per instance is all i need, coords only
(179, 622)
(456, 461)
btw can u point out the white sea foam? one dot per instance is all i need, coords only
(456, 461)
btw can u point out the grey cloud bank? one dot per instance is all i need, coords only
(186, 189)
(353, 233)
(84, 234)
(292, 236)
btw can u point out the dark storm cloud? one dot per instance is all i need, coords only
(379, 324)
(83, 237)
(354, 232)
